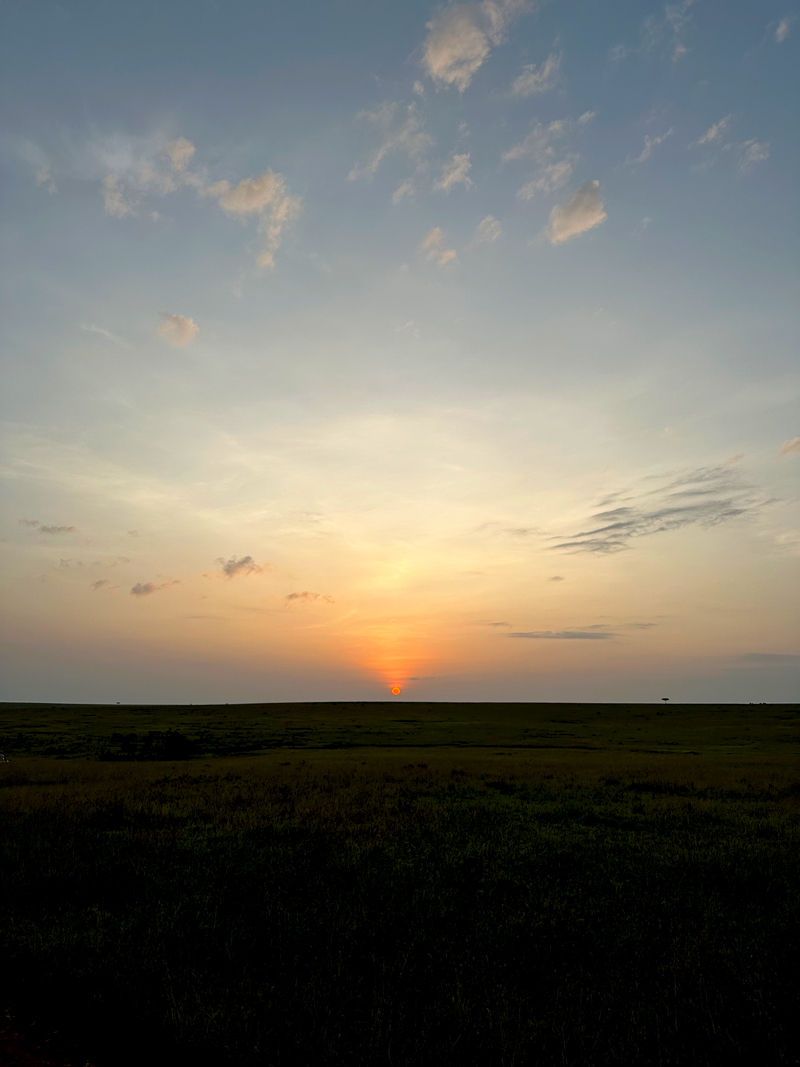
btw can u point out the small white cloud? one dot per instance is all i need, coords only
(548, 178)
(717, 133)
(790, 447)
(45, 178)
(583, 211)
(177, 330)
(487, 231)
(403, 190)
(539, 79)
(180, 151)
(752, 152)
(418, 88)
(461, 37)
(455, 171)
(649, 144)
(114, 200)
(782, 30)
(432, 245)
(639, 229)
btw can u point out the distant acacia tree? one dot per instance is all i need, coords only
(665, 699)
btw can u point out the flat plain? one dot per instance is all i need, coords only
(404, 883)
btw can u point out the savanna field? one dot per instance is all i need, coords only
(403, 883)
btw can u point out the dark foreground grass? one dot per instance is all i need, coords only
(389, 912)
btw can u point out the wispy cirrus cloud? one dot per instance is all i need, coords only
(542, 79)
(432, 246)
(548, 146)
(661, 33)
(747, 153)
(46, 529)
(704, 497)
(487, 231)
(461, 37)
(102, 332)
(650, 143)
(401, 131)
(565, 635)
(582, 212)
(454, 172)
(790, 447)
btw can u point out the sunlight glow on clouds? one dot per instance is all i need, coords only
(583, 211)
(177, 330)
(542, 79)
(410, 402)
(461, 36)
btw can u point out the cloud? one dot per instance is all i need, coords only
(752, 152)
(179, 152)
(705, 497)
(401, 128)
(137, 171)
(267, 197)
(498, 623)
(234, 566)
(147, 588)
(487, 231)
(748, 153)
(432, 244)
(45, 178)
(556, 578)
(101, 584)
(769, 657)
(454, 171)
(28, 522)
(548, 178)
(544, 144)
(664, 34)
(539, 79)
(649, 144)
(114, 200)
(91, 328)
(668, 32)
(177, 330)
(56, 530)
(583, 211)
(790, 447)
(307, 596)
(403, 190)
(782, 30)
(461, 36)
(717, 133)
(566, 635)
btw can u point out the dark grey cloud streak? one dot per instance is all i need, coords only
(706, 496)
(565, 635)
(234, 566)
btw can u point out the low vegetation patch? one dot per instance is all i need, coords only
(414, 913)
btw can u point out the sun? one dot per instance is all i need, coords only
(395, 690)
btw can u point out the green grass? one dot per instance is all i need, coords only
(164, 732)
(618, 903)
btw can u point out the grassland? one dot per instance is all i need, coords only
(405, 883)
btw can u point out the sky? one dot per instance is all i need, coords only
(357, 345)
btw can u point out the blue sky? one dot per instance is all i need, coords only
(443, 317)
